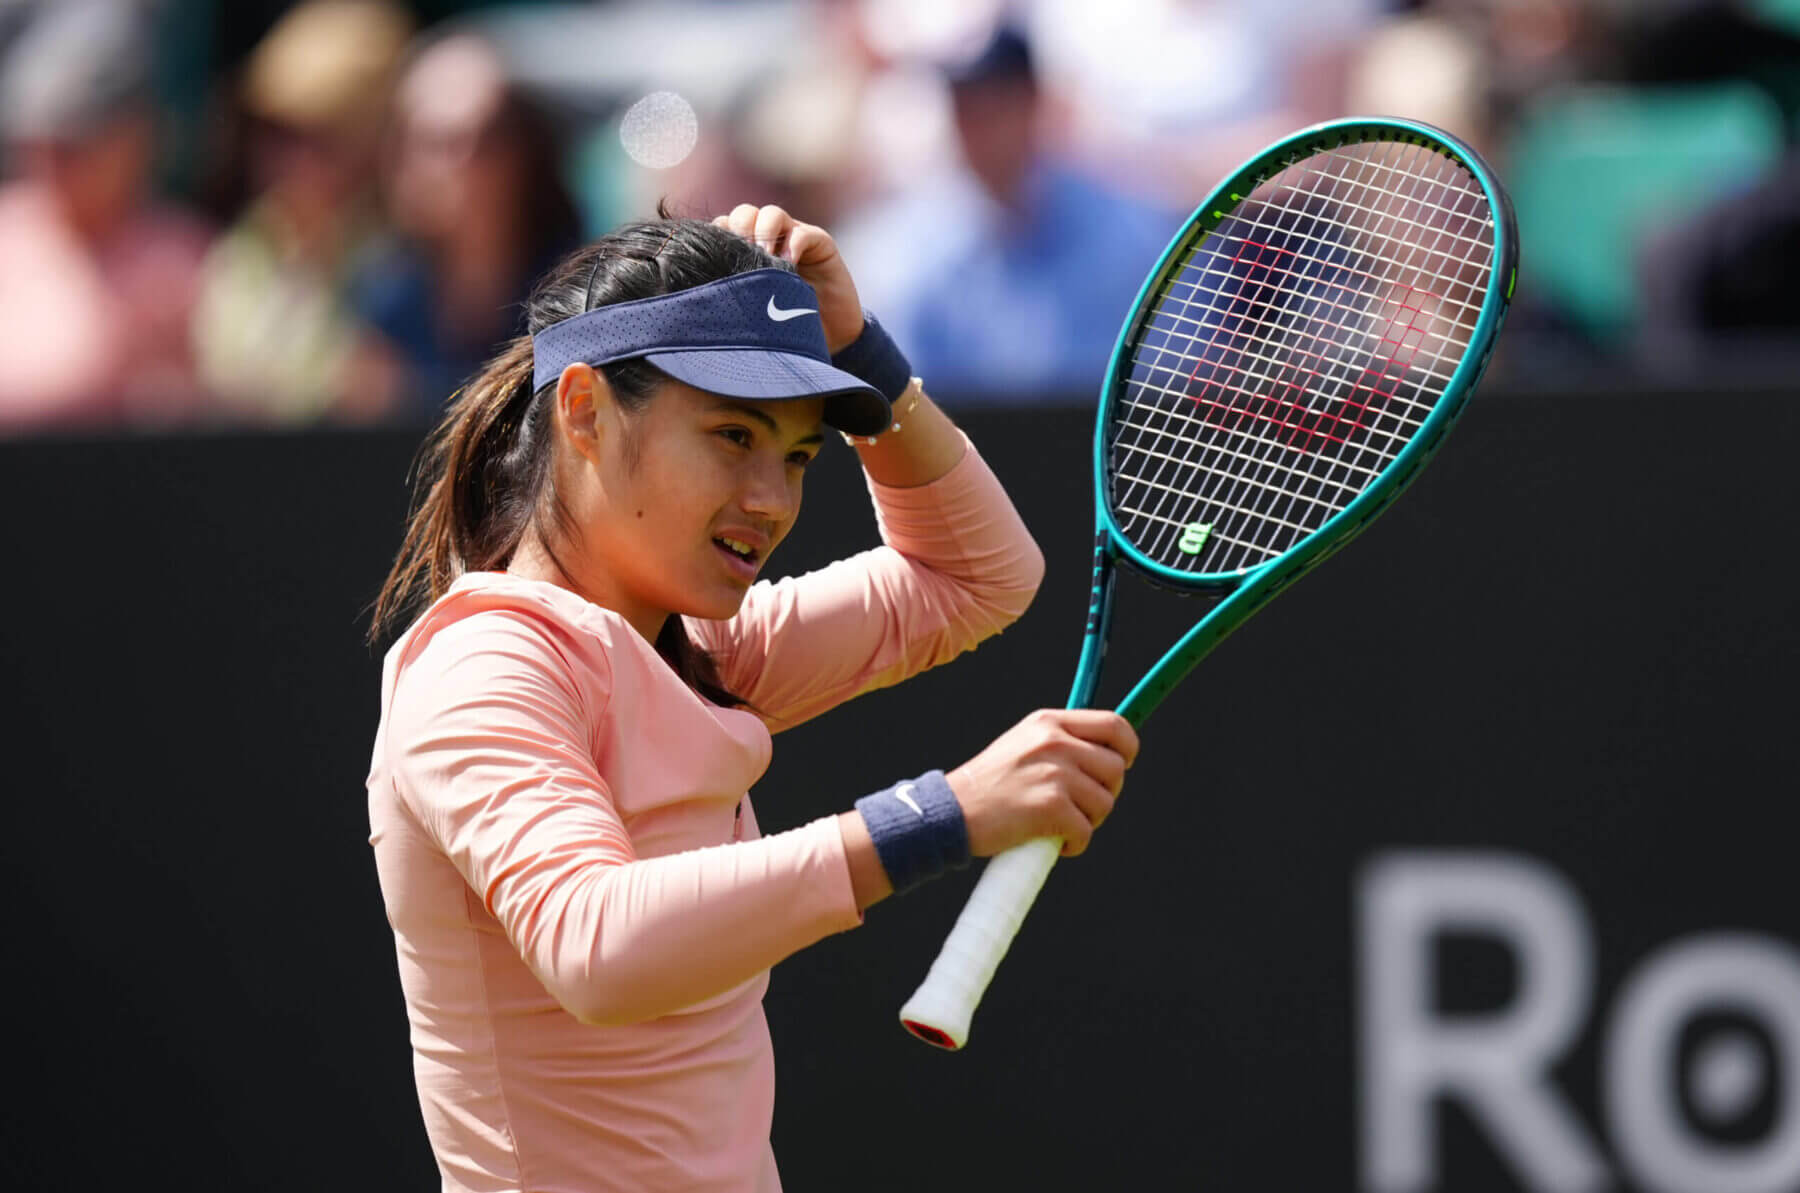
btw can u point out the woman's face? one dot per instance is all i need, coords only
(680, 503)
(454, 159)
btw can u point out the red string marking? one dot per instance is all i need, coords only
(1230, 416)
(1288, 397)
(1387, 363)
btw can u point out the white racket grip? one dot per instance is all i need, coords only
(940, 1009)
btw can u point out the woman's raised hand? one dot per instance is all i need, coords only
(816, 259)
(1054, 774)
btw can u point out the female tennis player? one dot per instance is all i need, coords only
(584, 910)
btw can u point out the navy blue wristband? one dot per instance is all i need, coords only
(874, 357)
(918, 829)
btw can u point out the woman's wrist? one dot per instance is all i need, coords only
(919, 444)
(902, 409)
(926, 446)
(868, 881)
(874, 357)
(917, 830)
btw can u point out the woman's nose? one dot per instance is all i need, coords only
(769, 491)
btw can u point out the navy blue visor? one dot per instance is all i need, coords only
(754, 336)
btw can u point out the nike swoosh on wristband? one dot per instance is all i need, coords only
(903, 793)
(781, 316)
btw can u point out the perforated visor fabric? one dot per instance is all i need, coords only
(754, 336)
(1289, 355)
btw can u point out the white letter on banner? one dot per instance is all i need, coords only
(1496, 1064)
(1755, 976)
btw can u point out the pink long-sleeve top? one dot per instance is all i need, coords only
(583, 909)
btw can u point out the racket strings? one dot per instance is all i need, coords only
(1395, 339)
(1294, 351)
(1263, 420)
(1341, 307)
(1470, 309)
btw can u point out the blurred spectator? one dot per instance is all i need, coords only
(1726, 271)
(274, 330)
(795, 126)
(475, 186)
(98, 278)
(1424, 68)
(1176, 95)
(1006, 279)
(1719, 273)
(1705, 41)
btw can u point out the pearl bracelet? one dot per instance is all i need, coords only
(915, 387)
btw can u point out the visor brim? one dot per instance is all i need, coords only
(760, 374)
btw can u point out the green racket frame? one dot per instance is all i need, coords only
(940, 1011)
(1248, 590)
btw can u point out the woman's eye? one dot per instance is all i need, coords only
(737, 435)
(800, 459)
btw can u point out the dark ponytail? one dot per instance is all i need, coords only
(483, 475)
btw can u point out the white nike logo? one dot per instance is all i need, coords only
(781, 316)
(903, 793)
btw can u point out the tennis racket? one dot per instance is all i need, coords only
(1296, 355)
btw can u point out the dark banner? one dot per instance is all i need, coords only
(1461, 867)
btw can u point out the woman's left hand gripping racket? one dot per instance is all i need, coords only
(1296, 355)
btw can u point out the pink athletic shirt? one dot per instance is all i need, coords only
(584, 917)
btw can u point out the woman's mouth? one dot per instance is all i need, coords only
(743, 557)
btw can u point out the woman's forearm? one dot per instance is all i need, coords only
(926, 446)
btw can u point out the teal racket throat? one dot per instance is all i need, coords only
(1293, 359)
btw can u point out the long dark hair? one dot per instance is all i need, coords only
(483, 476)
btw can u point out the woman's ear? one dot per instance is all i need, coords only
(584, 408)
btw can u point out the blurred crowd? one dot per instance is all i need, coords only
(219, 213)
